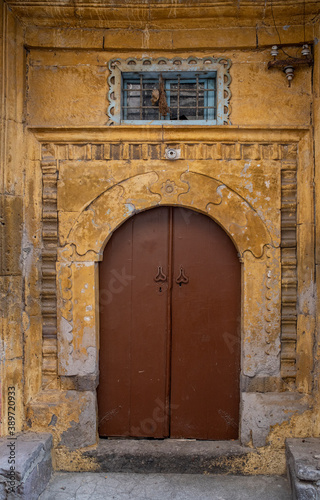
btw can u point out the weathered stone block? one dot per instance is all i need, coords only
(84, 432)
(261, 318)
(304, 455)
(303, 466)
(30, 456)
(79, 184)
(69, 86)
(11, 235)
(259, 412)
(71, 416)
(78, 383)
(303, 491)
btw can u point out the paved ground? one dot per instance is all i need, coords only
(121, 486)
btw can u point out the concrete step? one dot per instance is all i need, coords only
(120, 486)
(169, 456)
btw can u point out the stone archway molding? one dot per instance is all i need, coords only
(187, 189)
(77, 269)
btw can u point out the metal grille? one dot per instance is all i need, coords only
(188, 97)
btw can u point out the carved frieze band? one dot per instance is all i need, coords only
(286, 154)
(288, 270)
(49, 259)
(188, 151)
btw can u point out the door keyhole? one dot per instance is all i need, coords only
(160, 289)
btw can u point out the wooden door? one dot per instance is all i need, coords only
(205, 348)
(133, 328)
(169, 329)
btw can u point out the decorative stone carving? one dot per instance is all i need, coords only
(228, 150)
(209, 195)
(49, 257)
(255, 232)
(289, 270)
(232, 212)
(77, 330)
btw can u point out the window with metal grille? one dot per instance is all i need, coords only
(170, 96)
(164, 91)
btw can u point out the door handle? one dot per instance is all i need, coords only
(160, 277)
(182, 278)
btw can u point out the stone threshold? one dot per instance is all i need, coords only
(169, 456)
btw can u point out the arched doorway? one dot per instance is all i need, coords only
(169, 328)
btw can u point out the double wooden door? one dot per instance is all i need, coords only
(169, 328)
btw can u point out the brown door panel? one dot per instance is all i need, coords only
(169, 272)
(133, 349)
(205, 313)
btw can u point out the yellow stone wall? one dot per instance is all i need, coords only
(62, 165)
(69, 87)
(13, 260)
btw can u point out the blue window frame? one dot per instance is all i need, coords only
(193, 91)
(189, 97)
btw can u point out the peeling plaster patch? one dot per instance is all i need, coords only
(146, 37)
(244, 170)
(261, 214)
(252, 201)
(91, 351)
(286, 27)
(220, 189)
(85, 362)
(129, 209)
(66, 329)
(82, 425)
(306, 301)
(89, 308)
(27, 253)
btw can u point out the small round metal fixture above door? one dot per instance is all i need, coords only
(172, 154)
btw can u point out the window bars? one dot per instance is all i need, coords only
(169, 97)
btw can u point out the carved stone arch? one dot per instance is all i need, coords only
(204, 194)
(78, 289)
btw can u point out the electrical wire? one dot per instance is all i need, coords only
(304, 21)
(274, 22)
